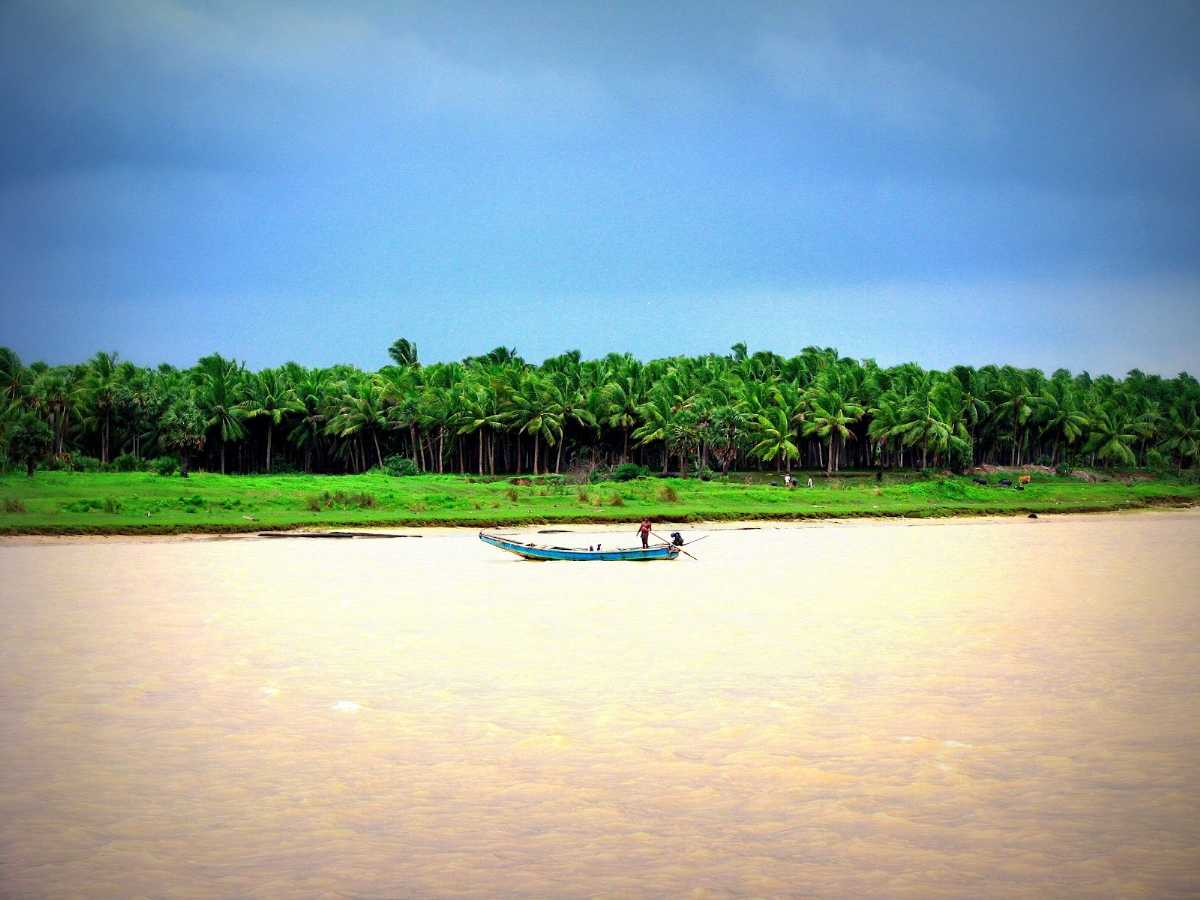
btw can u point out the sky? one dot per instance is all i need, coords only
(944, 183)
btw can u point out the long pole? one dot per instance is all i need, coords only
(669, 544)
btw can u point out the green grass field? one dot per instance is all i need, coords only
(143, 503)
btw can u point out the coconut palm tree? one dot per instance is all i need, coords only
(830, 415)
(312, 391)
(774, 432)
(1182, 431)
(361, 411)
(1111, 436)
(99, 390)
(658, 416)
(219, 398)
(182, 429)
(270, 398)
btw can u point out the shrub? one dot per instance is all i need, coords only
(364, 501)
(81, 463)
(112, 505)
(668, 494)
(400, 466)
(512, 494)
(581, 494)
(616, 500)
(165, 466)
(706, 474)
(72, 462)
(1062, 470)
(126, 462)
(313, 503)
(14, 505)
(629, 472)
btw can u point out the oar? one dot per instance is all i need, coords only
(669, 544)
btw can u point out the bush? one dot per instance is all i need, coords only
(400, 466)
(14, 505)
(616, 500)
(581, 494)
(668, 494)
(112, 505)
(512, 494)
(192, 504)
(165, 466)
(706, 474)
(340, 500)
(126, 462)
(73, 462)
(629, 471)
(1062, 470)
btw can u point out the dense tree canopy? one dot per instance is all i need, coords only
(497, 413)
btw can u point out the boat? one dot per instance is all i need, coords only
(539, 552)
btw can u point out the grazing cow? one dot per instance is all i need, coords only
(982, 481)
(1025, 479)
(1004, 482)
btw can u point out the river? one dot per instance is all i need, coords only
(985, 708)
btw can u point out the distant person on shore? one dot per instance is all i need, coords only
(787, 481)
(810, 481)
(644, 533)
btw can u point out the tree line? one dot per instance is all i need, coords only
(497, 413)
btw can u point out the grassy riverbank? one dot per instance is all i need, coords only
(142, 503)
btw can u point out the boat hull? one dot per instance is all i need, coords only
(546, 554)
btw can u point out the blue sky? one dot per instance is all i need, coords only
(951, 182)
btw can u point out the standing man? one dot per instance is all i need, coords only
(644, 532)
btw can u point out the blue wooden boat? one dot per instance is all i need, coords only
(536, 551)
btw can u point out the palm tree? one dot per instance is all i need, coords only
(16, 381)
(99, 386)
(1112, 436)
(565, 403)
(1183, 433)
(1061, 418)
(534, 413)
(830, 417)
(270, 398)
(56, 395)
(624, 394)
(1015, 401)
(658, 416)
(182, 430)
(480, 413)
(361, 411)
(312, 396)
(404, 352)
(774, 431)
(218, 392)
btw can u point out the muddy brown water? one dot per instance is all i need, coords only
(978, 708)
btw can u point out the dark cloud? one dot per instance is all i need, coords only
(393, 156)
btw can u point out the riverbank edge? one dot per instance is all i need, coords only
(478, 522)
